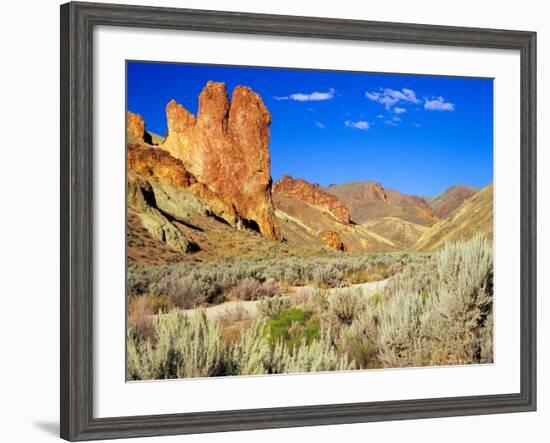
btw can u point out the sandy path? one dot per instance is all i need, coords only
(250, 309)
(367, 289)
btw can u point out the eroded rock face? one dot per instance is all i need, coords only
(151, 162)
(158, 164)
(313, 195)
(160, 228)
(135, 125)
(332, 240)
(226, 148)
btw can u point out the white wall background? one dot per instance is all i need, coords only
(29, 228)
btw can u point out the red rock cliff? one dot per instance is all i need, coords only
(226, 147)
(313, 195)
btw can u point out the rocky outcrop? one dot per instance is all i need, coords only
(332, 240)
(226, 147)
(313, 195)
(135, 126)
(152, 162)
(156, 163)
(157, 224)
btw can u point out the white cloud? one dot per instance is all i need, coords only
(390, 123)
(311, 97)
(361, 125)
(320, 125)
(438, 104)
(389, 97)
(396, 118)
(399, 110)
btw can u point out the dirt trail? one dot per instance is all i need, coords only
(250, 308)
(367, 289)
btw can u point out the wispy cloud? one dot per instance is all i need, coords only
(390, 97)
(416, 125)
(309, 97)
(390, 123)
(320, 125)
(399, 110)
(380, 116)
(360, 124)
(395, 118)
(438, 104)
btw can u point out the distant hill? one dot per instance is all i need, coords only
(446, 202)
(369, 200)
(475, 215)
(303, 223)
(401, 233)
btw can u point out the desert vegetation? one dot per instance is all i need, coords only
(341, 312)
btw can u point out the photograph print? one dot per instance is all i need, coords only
(295, 220)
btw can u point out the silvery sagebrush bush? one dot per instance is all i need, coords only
(184, 346)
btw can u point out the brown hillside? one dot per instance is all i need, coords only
(369, 200)
(473, 216)
(302, 224)
(402, 233)
(446, 202)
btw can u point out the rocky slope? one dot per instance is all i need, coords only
(475, 215)
(369, 200)
(313, 195)
(446, 202)
(226, 147)
(401, 233)
(303, 224)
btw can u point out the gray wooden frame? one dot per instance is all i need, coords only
(77, 23)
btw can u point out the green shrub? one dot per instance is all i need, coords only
(271, 307)
(292, 326)
(359, 341)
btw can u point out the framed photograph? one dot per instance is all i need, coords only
(273, 221)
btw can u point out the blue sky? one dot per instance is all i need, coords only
(417, 134)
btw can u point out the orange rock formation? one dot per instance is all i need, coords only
(332, 240)
(226, 147)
